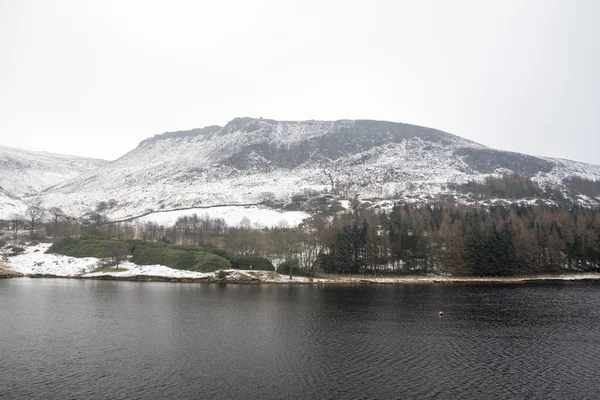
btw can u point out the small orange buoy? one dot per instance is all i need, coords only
(441, 313)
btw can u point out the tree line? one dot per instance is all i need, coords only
(441, 238)
(409, 239)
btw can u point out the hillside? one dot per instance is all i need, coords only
(10, 204)
(251, 160)
(26, 172)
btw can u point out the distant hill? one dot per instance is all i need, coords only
(25, 173)
(252, 160)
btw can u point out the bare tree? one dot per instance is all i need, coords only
(287, 239)
(57, 215)
(35, 214)
(16, 222)
(118, 252)
(331, 180)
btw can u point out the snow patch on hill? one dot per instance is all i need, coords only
(233, 216)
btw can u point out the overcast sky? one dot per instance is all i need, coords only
(94, 78)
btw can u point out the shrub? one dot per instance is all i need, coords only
(251, 262)
(99, 248)
(205, 249)
(209, 262)
(191, 260)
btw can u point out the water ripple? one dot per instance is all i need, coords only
(127, 340)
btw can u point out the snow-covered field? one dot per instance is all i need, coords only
(233, 215)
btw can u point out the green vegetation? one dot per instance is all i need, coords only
(411, 239)
(221, 274)
(190, 258)
(251, 262)
(347, 253)
(491, 251)
(205, 249)
(85, 247)
(185, 257)
(466, 240)
(168, 255)
(238, 261)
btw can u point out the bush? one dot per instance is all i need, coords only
(237, 261)
(205, 249)
(99, 248)
(251, 262)
(221, 274)
(284, 268)
(190, 260)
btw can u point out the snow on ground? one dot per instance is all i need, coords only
(10, 206)
(151, 270)
(34, 260)
(233, 215)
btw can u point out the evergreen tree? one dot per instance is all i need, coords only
(348, 253)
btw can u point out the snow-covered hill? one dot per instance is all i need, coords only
(25, 172)
(251, 160)
(10, 204)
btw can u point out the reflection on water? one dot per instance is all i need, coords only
(99, 339)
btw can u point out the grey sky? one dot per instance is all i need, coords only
(94, 78)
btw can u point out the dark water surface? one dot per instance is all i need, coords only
(64, 339)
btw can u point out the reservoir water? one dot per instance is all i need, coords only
(62, 339)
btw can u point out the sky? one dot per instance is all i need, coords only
(94, 78)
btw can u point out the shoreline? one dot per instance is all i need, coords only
(247, 277)
(35, 263)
